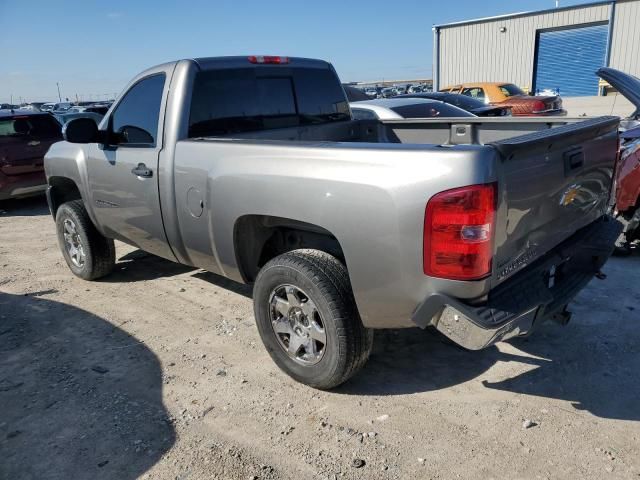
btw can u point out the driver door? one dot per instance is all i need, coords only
(123, 175)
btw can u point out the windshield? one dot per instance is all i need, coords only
(511, 90)
(249, 99)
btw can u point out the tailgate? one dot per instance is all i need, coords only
(553, 182)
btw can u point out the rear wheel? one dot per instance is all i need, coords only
(88, 253)
(308, 320)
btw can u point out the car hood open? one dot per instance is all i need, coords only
(627, 85)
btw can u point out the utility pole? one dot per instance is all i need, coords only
(59, 96)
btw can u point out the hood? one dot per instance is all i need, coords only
(627, 85)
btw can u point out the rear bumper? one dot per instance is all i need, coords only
(12, 186)
(530, 297)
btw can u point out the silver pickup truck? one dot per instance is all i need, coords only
(253, 168)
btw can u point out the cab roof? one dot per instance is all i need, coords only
(208, 63)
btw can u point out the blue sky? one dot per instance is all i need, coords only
(93, 47)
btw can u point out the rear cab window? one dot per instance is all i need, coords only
(43, 127)
(235, 100)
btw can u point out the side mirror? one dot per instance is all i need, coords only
(81, 130)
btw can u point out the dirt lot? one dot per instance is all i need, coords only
(158, 372)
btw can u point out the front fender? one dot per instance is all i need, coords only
(69, 161)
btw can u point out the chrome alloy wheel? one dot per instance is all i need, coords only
(297, 324)
(73, 243)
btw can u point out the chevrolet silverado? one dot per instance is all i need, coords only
(253, 168)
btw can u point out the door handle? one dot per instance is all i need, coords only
(34, 143)
(142, 171)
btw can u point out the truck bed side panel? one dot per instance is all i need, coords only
(371, 197)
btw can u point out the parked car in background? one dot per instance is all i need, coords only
(371, 92)
(63, 118)
(388, 92)
(30, 107)
(24, 139)
(510, 95)
(56, 107)
(62, 106)
(100, 109)
(472, 105)
(404, 107)
(47, 107)
(627, 198)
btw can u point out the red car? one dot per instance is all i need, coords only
(24, 139)
(628, 168)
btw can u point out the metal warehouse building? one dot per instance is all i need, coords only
(550, 49)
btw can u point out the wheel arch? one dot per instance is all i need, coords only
(259, 238)
(61, 190)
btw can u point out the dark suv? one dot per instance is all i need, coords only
(24, 139)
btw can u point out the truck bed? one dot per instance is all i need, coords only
(431, 131)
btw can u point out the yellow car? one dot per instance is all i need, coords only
(510, 95)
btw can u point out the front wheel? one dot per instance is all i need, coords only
(88, 254)
(308, 320)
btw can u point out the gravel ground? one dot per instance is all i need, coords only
(158, 372)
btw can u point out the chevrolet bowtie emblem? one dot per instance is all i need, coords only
(570, 195)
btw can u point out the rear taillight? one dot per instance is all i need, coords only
(539, 106)
(274, 60)
(459, 228)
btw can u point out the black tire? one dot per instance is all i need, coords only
(99, 251)
(326, 281)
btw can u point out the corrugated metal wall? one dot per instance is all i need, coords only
(479, 52)
(567, 60)
(626, 37)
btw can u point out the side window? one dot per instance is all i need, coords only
(474, 92)
(136, 116)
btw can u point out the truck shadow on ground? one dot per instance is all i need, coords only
(580, 363)
(79, 398)
(24, 207)
(138, 266)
